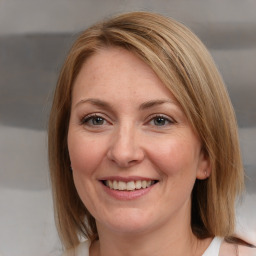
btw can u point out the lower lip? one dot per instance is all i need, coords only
(127, 195)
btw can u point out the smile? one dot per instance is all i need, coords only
(130, 185)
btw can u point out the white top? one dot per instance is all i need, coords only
(213, 249)
(83, 249)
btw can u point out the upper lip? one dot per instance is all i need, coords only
(126, 179)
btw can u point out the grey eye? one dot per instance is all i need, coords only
(93, 120)
(97, 120)
(160, 121)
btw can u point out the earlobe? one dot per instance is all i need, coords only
(203, 174)
(204, 166)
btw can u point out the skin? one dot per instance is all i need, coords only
(127, 139)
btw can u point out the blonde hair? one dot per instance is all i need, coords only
(186, 68)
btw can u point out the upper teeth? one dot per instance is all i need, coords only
(130, 185)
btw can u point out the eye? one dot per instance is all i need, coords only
(160, 120)
(93, 120)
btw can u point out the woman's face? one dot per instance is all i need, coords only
(133, 153)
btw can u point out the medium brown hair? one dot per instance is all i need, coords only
(186, 68)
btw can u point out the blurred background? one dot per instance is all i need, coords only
(35, 36)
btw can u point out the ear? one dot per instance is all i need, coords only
(204, 166)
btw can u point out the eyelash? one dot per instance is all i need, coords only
(162, 117)
(85, 120)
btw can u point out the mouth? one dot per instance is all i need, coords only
(128, 186)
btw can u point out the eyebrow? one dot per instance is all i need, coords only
(95, 102)
(143, 106)
(153, 103)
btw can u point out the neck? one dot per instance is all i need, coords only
(144, 246)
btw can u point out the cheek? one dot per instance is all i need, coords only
(85, 153)
(175, 156)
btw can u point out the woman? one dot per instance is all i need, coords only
(143, 145)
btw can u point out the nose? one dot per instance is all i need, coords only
(125, 148)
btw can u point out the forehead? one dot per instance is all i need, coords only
(115, 70)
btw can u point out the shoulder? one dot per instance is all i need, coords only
(81, 250)
(246, 250)
(231, 249)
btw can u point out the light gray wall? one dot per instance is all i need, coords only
(64, 16)
(34, 38)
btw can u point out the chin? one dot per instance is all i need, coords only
(128, 222)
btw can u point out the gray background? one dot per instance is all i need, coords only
(35, 36)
